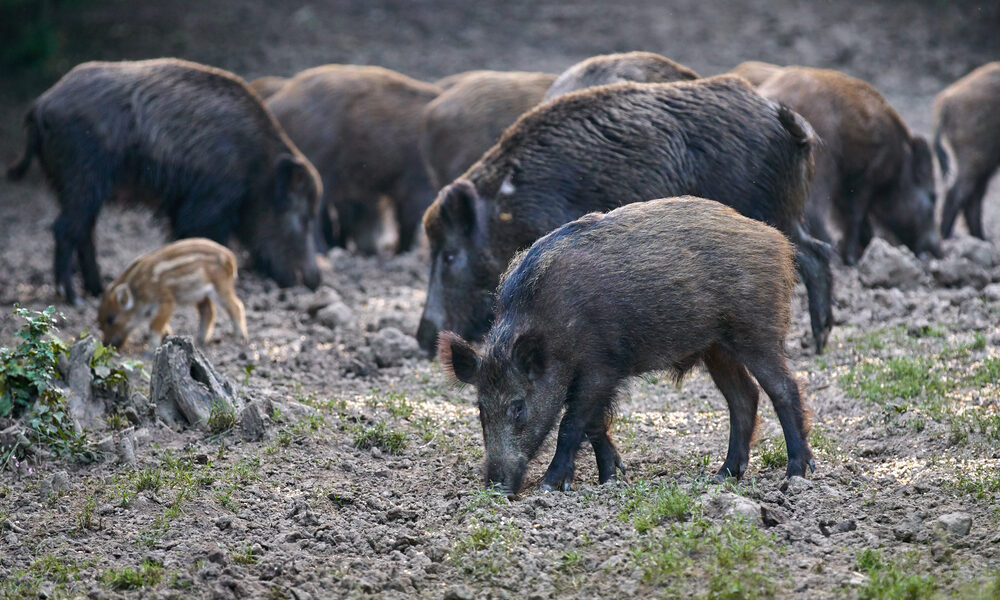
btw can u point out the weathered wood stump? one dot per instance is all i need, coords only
(184, 385)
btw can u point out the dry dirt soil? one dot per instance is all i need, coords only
(904, 499)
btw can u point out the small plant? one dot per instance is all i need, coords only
(244, 555)
(221, 417)
(887, 580)
(773, 454)
(85, 520)
(485, 498)
(248, 370)
(116, 421)
(398, 405)
(648, 505)
(146, 575)
(50, 426)
(26, 372)
(150, 478)
(381, 437)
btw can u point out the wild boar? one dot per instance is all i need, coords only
(598, 148)
(657, 285)
(967, 144)
(640, 67)
(465, 120)
(267, 86)
(755, 71)
(360, 126)
(194, 271)
(193, 138)
(869, 167)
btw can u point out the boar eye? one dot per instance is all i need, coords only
(448, 257)
(516, 411)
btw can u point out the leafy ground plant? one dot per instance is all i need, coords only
(26, 371)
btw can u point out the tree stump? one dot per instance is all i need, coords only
(184, 385)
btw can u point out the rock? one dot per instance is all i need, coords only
(184, 385)
(772, 516)
(126, 450)
(86, 411)
(885, 265)
(992, 292)
(970, 248)
(251, 423)
(56, 483)
(391, 347)
(459, 592)
(323, 297)
(106, 446)
(956, 271)
(957, 523)
(795, 485)
(336, 315)
(730, 505)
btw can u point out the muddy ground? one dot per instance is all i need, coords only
(904, 500)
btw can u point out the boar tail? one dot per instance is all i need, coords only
(17, 171)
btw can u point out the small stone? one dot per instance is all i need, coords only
(992, 292)
(845, 526)
(956, 523)
(216, 556)
(391, 347)
(323, 297)
(795, 484)
(772, 516)
(106, 445)
(888, 266)
(251, 423)
(336, 315)
(126, 450)
(459, 592)
(730, 505)
(11, 539)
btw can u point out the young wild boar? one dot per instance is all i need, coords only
(194, 138)
(464, 121)
(868, 166)
(967, 144)
(640, 67)
(360, 126)
(267, 86)
(598, 148)
(755, 71)
(658, 285)
(194, 271)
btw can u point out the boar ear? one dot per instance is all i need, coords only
(458, 358)
(529, 355)
(458, 205)
(123, 295)
(289, 173)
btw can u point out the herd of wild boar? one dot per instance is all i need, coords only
(625, 216)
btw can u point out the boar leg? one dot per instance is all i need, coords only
(160, 325)
(206, 321)
(234, 307)
(973, 208)
(741, 395)
(559, 475)
(813, 262)
(87, 257)
(771, 372)
(609, 462)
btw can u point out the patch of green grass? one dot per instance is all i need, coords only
(648, 505)
(149, 478)
(85, 519)
(427, 427)
(905, 377)
(381, 437)
(116, 421)
(571, 560)
(485, 498)
(983, 484)
(729, 558)
(244, 555)
(244, 471)
(221, 417)
(890, 581)
(772, 453)
(987, 587)
(147, 574)
(397, 405)
(482, 552)
(986, 373)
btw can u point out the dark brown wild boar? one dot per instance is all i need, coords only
(967, 144)
(469, 117)
(360, 126)
(755, 71)
(267, 86)
(195, 139)
(868, 165)
(640, 67)
(598, 148)
(658, 285)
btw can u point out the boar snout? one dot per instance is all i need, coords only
(506, 476)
